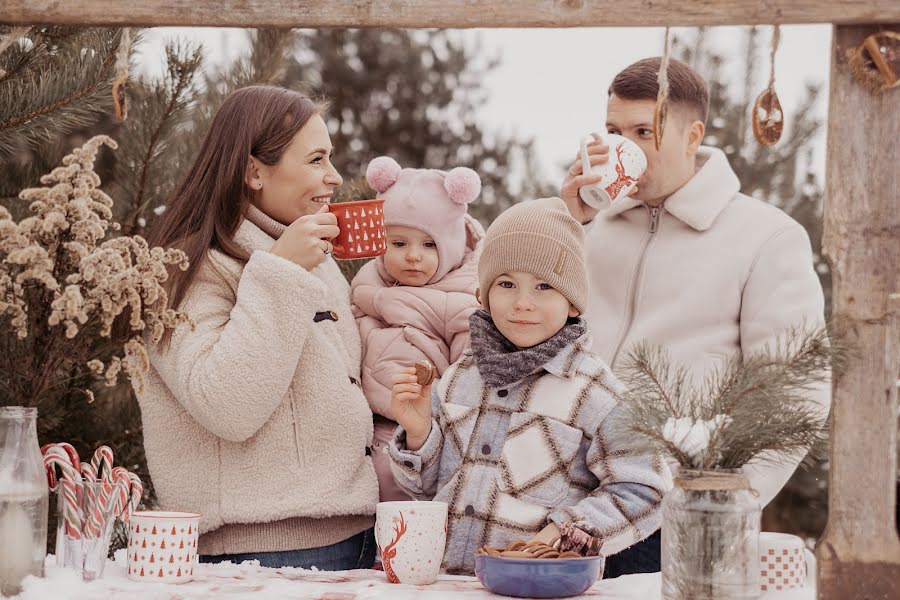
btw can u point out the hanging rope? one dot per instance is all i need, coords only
(662, 96)
(773, 48)
(118, 89)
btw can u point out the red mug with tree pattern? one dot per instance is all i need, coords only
(362, 229)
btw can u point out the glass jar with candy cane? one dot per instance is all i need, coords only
(91, 496)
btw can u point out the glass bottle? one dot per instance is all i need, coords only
(23, 499)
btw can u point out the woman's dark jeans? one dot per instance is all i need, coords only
(357, 552)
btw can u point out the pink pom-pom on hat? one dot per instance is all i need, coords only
(462, 184)
(382, 173)
(429, 200)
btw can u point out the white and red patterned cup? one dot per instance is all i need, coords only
(162, 546)
(362, 229)
(627, 162)
(411, 537)
(783, 562)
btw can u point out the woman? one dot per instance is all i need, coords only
(254, 416)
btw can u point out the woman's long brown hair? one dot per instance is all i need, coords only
(208, 205)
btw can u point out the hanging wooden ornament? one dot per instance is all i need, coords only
(876, 62)
(120, 100)
(768, 117)
(662, 96)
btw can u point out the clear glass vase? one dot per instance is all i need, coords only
(83, 546)
(710, 536)
(23, 499)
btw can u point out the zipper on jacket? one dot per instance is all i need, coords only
(654, 226)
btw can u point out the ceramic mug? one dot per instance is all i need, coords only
(362, 229)
(412, 537)
(162, 546)
(784, 562)
(620, 173)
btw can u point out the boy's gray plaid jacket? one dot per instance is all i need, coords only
(508, 461)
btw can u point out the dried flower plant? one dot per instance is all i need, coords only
(756, 407)
(72, 304)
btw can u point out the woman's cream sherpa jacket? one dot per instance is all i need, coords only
(253, 418)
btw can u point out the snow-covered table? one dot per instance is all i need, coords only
(247, 580)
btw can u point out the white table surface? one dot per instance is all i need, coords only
(250, 580)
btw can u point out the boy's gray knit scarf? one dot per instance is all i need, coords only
(500, 363)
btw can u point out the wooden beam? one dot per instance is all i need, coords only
(859, 553)
(446, 13)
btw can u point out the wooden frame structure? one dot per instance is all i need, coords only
(859, 553)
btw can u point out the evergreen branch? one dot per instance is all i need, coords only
(68, 89)
(756, 408)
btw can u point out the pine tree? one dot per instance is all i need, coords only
(414, 96)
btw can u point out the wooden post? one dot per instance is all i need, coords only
(859, 553)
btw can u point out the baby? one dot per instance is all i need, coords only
(414, 302)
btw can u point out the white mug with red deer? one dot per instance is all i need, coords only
(785, 562)
(620, 173)
(162, 546)
(411, 537)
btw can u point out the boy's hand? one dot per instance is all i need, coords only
(411, 405)
(548, 535)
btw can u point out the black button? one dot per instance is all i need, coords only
(328, 315)
(503, 393)
(368, 451)
(408, 464)
(470, 510)
(485, 449)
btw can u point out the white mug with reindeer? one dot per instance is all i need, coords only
(411, 537)
(620, 173)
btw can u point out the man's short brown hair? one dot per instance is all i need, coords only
(686, 87)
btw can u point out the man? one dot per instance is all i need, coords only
(688, 262)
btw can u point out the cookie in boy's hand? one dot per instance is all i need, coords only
(424, 372)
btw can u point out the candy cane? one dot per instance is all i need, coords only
(70, 452)
(103, 456)
(92, 518)
(117, 489)
(137, 493)
(71, 480)
(88, 472)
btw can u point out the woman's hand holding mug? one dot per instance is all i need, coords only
(306, 240)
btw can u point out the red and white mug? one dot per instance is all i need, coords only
(362, 229)
(784, 562)
(620, 174)
(411, 537)
(162, 546)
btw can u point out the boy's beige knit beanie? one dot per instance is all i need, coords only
(538, 237)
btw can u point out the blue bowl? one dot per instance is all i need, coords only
(536, 577)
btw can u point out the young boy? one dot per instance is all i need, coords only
(516, 437)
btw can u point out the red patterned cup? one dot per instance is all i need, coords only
(362, 229)
(412, 537)
(783, 564)
(162, 546)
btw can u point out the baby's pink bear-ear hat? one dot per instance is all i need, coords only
(382, 173)
(462, 184)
